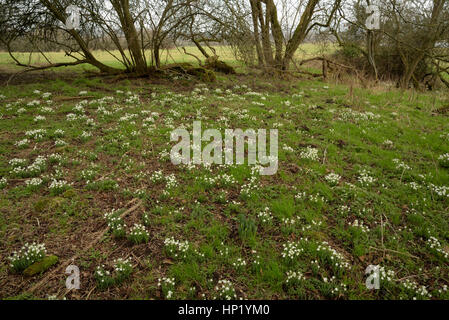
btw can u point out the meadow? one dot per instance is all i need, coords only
(86, 176)
(174, 55)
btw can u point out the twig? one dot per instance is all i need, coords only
(90, 292)
(37, 68)
(192, 55)
(137, 259)
(382, 231)
(394, 251)
(324, 155)
(412, 276)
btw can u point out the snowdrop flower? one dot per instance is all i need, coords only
(39, 118)
(309, 153)
(332, 178)
(225, 290)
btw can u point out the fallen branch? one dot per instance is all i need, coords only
(394, 251)
(327, 61)
(36, 68)
(192, 55)
(412, 276)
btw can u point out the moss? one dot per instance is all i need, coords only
(22, 296)
(180, 67)
(219, 66)
(201, 73)
(69, 193)
(48, 204)
(41, 266)
(41, 205)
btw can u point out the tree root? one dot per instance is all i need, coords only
(219, 66)
(201, 73)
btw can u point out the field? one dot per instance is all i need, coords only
(85, 170)
(167, 56)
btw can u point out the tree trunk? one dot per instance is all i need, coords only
(299, 34)
(157, 57)
(132, 38)
(255, 15)
(265, 28)
(410, 68)
(429, 43)
(276, 32)
(61, 16)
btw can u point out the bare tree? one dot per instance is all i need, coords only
(266, 26)
(129, 26)
(411, 44)
(271, 30)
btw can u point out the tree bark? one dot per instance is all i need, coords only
(433, 34)
(132, 38)
(255, 15)
(276, 32)
(58, 12)
(265, 33)
(299, 34)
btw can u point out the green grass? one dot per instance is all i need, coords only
(203, 229)
(167, 56)
(175, 55)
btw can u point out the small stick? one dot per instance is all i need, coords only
(394, 251)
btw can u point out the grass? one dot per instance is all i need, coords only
(167, 56)
(300, 234)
